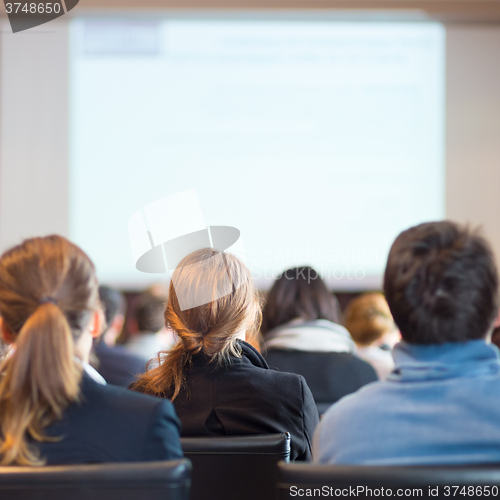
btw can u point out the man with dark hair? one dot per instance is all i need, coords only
(441, 405)
(115, 363)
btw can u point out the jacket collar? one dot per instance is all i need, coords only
(249, 355)
(91, 372)
(415, 362)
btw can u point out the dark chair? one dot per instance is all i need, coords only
(236, 467)
(454, 481)
(121, 481)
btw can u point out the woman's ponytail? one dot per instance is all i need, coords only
(210, 329)
(39, 381)
(41, 377)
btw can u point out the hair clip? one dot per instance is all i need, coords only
(45, 300)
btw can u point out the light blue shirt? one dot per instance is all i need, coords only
(441, 405)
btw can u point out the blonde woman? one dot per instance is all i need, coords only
(369, 321)
(219, 384)
(54, 408)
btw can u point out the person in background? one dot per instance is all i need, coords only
(54, 408)
(441, 404)
(148, 334)
(495, 336)
(115, 363)
(4, 349)
(302, 335)
(219, 384)
(369, 320)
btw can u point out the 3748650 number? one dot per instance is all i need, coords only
(33, 8)
(470, 491)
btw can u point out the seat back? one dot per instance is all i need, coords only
(459, 481)
(236, 467)
(169, 480)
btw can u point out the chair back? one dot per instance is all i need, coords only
(168, 480)
(361, 481)
(236, 467)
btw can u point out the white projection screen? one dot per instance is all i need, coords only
(319, 140)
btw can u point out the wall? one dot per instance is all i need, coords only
(33, 132)
(34, 138)
(473, 127)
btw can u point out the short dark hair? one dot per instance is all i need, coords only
(148, 311)
(113, 302)
(299, 293)
(441, 284)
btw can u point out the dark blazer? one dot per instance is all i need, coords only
(330, 375)
(112, 424)
(117, 365)
(246, 397)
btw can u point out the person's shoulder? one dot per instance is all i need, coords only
(361, 363)
(110, 396)
(286, 380)
(364, 401)
(117, 352)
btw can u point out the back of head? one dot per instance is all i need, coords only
(299, 293)
(441, 284)
(211, 303)
(368, 318)
(48, 293)
(148, 310)
(113, 303)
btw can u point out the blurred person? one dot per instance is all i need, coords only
(495, 336)
(219, 384)
(301, 335)
(148, 335)
(369, 320)
(54, 408)
(4, 349)
(441, 404)
(116, 364)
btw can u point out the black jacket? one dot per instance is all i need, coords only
(246, 397)
(330, 375)
(112, 424)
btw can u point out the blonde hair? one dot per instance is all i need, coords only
(48, 291)
(368, 318)
(211, 328)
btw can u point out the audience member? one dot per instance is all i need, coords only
(115, 363)
(302, 335)
(441, 405)
(368, 319)
(4, 349)
(219, 384)
(495, 336)
(54, 407)
(148, 335)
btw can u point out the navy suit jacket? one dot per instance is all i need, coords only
(111, 424)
